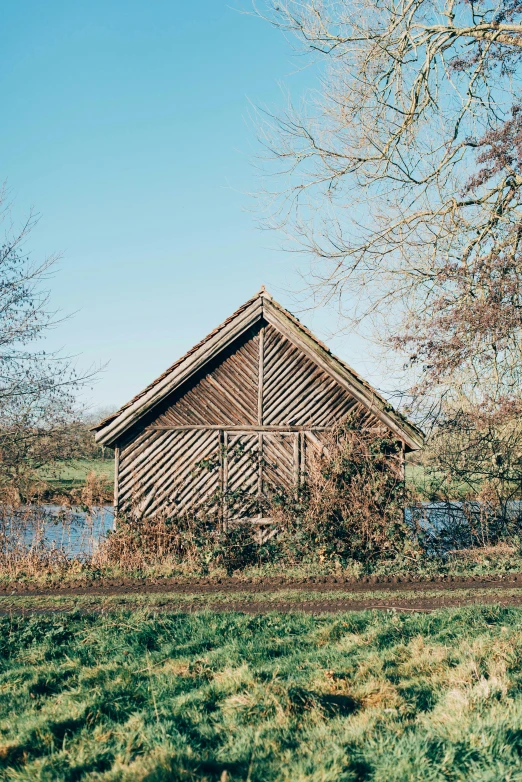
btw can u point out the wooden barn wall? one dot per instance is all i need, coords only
(295, 390)
(180, 470)
(158, 470)
(225, 394)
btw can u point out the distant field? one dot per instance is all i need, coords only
(73, 474)
(427, 482)
(415, 473)
(156, 695)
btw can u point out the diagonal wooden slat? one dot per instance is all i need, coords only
(279, 469)
(256, 382)
(225, 394)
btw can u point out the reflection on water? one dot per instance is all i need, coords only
(444, 526)
(76, 533)
(439, 527)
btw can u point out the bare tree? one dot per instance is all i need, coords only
(37, 389)
(475, 451)
(401, 175)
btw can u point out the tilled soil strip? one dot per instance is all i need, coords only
(231, 585)
(308, 606)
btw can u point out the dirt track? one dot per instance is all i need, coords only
(420, 604)
(173, 586)
(450, 593)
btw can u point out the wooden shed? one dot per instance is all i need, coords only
(234, 420)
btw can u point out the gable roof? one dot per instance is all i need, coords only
(262, 305)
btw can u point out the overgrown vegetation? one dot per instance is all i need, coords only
(354, 508)
(135, 696)
(347, 518)
(350, 507)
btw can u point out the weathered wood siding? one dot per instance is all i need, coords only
(234, 434)
(296, 391)
(227, 392)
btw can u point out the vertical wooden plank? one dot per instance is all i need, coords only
(403, 473)
(225, 478)
(116, 478)
(296, 459)
(260, 386)
(260, 469)
(261, 376)
(302, 457)
(221, 472)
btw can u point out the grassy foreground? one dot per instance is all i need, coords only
(370, 696)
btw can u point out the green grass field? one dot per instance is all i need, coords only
(138, 695)
(70, 475)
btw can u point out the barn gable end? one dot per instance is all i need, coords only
(232, 421)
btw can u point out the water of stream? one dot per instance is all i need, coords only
(72, 531)
(439, 526)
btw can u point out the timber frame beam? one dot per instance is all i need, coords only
(243, 428)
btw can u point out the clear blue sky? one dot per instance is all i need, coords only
(124, 123)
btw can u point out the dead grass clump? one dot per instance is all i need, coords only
(480, 553)
(379, 694)
(196, 543)
(24, 547)
(95, 492)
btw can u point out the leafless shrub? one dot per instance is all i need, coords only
(475, 452)
(95, 492)
(39, 422)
